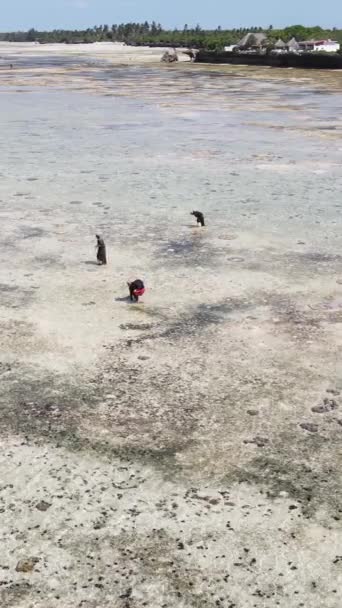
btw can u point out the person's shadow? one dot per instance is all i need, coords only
(123, 299)
(91, 263)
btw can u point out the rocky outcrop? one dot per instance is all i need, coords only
(170, 57)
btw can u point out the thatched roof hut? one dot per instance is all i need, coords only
(280, 44)
(293, 45)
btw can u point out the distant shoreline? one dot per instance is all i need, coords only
(110, 52)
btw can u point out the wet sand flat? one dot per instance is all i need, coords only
(186, 451)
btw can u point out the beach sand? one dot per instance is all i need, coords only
(112, 53)
(186, 451)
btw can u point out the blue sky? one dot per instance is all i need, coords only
(50, 14)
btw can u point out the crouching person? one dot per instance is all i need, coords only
(199, 217)
(136, 290)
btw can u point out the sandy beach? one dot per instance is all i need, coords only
(184, 452)
(112, 53)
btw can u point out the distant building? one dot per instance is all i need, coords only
(230, 48)
(293, 46)
(280, 44)
(329, 46)
(258, 43)
(279, 47)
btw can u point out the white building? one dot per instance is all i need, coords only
(329, 46)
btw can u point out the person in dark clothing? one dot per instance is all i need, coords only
(101, 251)
(136, 289)
(199, 217)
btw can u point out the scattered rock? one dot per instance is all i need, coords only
(169, 57)
(141, 326)
(235, 259)
(328, 405)
(309, 426)
(259, 441)
(43, 505)
(214, 501)
(127, 594)
(333, 391)
(228, 237)
(27, 565)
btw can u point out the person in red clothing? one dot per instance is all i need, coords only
(136, 289)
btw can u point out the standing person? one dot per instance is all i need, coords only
(101, 251)
(199, 217)
(136, 289)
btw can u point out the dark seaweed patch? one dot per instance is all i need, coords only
(14, 592)
(13, 296)
(49, 408)
(48, 261)
(193, 323)
(136, 326)
(204, 316)
(181, 247)
(280, 472)
(4, 288)
(31, 232)
(319, 257)
(190, 251)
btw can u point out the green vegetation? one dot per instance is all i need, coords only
(153, 34)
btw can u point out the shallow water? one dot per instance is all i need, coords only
(198, 402)
(250, 154)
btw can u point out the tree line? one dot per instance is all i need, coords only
(154, 34)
